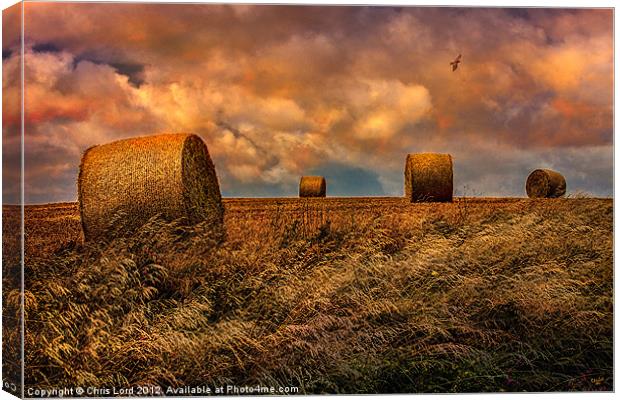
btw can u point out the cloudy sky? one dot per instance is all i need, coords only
(282, 91)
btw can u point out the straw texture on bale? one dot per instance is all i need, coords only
(127, 182)
(428, 177)
(312, 186)
(545, 183)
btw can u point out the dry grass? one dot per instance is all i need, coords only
(11, 304)
(428, 177)
(331, 295)
(124, 183)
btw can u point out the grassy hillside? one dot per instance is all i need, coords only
(333, 295)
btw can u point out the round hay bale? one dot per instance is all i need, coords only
(545, 183)
(428, 177)
(127, 182)
(312, 186)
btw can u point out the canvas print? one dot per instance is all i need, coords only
(220, 199)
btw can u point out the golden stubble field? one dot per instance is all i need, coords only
(349, 295)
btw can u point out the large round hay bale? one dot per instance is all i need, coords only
(428, 177)
(545, 183)
(312, 186)
(127, 182)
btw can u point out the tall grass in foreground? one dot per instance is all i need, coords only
(418, 298)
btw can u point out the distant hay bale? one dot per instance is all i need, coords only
(428, 177)
(312, 186)
(545, 183)
(127, 182)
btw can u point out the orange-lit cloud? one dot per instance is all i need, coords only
(279, 91)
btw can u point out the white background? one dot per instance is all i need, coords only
(490, 3)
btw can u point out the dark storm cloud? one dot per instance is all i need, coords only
(346, 180)
(135, 72)
(260, 190)
(45, 48)
(60, 177)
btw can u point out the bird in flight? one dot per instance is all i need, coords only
(455, 63)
